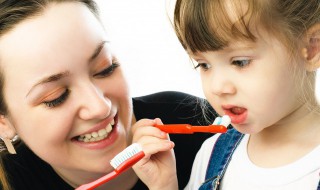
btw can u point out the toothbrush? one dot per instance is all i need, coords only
(121, 162)
(219, 125)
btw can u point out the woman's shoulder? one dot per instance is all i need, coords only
(25, 170)
(174, 107)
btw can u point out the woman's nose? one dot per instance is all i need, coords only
(94, 104)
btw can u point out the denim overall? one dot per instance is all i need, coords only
(220, 159)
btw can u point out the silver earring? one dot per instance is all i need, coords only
(9, 145)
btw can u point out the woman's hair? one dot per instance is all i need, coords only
(13, 12)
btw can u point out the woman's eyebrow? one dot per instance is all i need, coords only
(51, 78)
(97, 51)
(58, 76)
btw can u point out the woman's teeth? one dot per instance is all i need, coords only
(97, 135)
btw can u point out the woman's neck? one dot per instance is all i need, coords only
(124, 181)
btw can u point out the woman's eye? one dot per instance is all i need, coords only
(58, 101)
(203, 66)
(108, 71)
(241, 63)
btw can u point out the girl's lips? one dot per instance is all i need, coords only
(238, 115)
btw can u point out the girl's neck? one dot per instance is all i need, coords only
(288, 140)
(304, 120)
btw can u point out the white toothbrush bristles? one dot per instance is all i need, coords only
(224, 120)
(125, 155)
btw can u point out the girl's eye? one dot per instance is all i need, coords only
(203, 66)
(241, 63)
(58, 101)
(108, 71)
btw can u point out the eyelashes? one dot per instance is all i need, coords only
(241, 63)
(203, 66)
(56, 102)
(108, 71)
(63, 97)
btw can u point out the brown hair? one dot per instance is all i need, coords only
(208, 25)
(205, 25)
(12, 12)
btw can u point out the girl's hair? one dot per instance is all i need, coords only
(13, 12)
(207, 25)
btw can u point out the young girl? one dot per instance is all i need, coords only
(63, 92)
(257, 61)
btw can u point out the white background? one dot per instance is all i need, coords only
(144, 40)
(153, 59)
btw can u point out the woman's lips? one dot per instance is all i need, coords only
(103, 142)
(238, 115)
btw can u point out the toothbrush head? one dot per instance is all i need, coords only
(224, 120)
(127, 157)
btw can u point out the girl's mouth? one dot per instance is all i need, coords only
(237, 114)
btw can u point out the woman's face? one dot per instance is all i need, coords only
(62, 83)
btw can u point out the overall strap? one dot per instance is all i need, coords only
(220, 158)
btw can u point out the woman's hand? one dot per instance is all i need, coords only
(157, 169)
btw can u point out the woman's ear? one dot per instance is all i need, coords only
(7, 134)
(311, 50)
(6, 128)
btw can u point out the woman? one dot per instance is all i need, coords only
(64, 94)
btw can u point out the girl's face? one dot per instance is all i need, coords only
(63, 87)
(253, 83)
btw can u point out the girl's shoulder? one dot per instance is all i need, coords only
(209, 143)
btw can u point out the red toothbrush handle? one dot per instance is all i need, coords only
(176, 128)
(130, 162)
(189, 129)
(121, 168)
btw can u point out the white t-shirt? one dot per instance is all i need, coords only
(303, 174)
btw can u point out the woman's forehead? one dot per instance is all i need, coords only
(60, 29)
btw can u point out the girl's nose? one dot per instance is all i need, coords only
(221, 84)
(94, 104)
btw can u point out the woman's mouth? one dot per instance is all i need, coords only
(97, 135)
